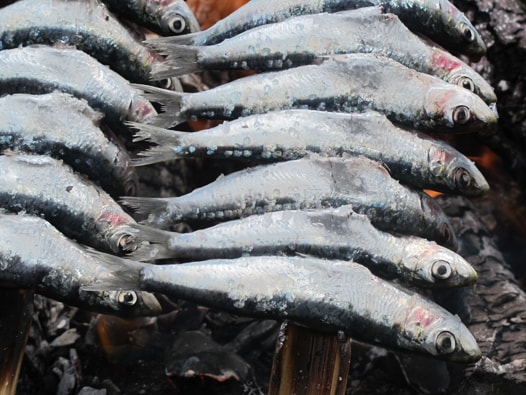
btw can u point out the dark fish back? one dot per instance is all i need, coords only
(66, 128)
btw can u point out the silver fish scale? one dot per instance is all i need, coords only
(312, 291)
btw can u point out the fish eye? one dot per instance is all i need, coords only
(466, 83)
(177, 25)
(467, 32)
(445, 343)
(462, 178)
(127, 298)
(461, 115)
(441, 270)
(166, 83)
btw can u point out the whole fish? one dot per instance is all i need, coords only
(351, 83)
(438, 19)
(302, 40)
(33, 254)
(329, 233)
(311, 182)
(324, 295)
(165, 17)
(81, 210)
(43, 69)
(84, 24)
(292, 134)
(59, 125)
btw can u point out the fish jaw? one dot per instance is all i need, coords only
(439, 333)
(455, 109)
(461, 28)
(458, 173)
(434, 266)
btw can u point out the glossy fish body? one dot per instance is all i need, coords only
(329, 233)
(81, 210)
(33, 254)
(350, 83)
(292, 134)
(325, 295)
(84, 24)
(59, 125)
(302, 40)
(312, 182)
(438, 19)
(165, 17)
(42, 69)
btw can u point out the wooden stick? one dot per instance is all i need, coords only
(15, 320)
(307, 362)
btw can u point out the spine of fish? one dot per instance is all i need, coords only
(351, 83)
(35, 255)
(42, 124)
(81, 210)
(85, 24)
(330, 233)
(438, 19)
(167, 17)
(43, 69)
(312, 182)
(291, 134)
(302, 40)
(324, 295)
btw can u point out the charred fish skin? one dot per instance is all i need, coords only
(438, 19)
(329, 233)
(84, 24)
(43, 69)
(43, 124)
(302, 40)
(349, 83)
(327, 296)
(44, 186)
(33, 254)
(291, 134)
(307, 183)
(165, 17)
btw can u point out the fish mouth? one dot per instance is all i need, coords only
(468, 350)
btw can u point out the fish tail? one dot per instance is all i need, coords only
(124, 272)
(171, 102)
(183, 39)
(181, 59)
(152, 155)
(160, 95)
(143, 205)
(157, 247)
(155, 134)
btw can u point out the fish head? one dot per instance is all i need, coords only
(140, 109)
(431, 265)
(467, 78)
(438, 227)
(451, 168)
(452, 108)
(432, 330)
(122, 302)
(174, 17)
(462, 32)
